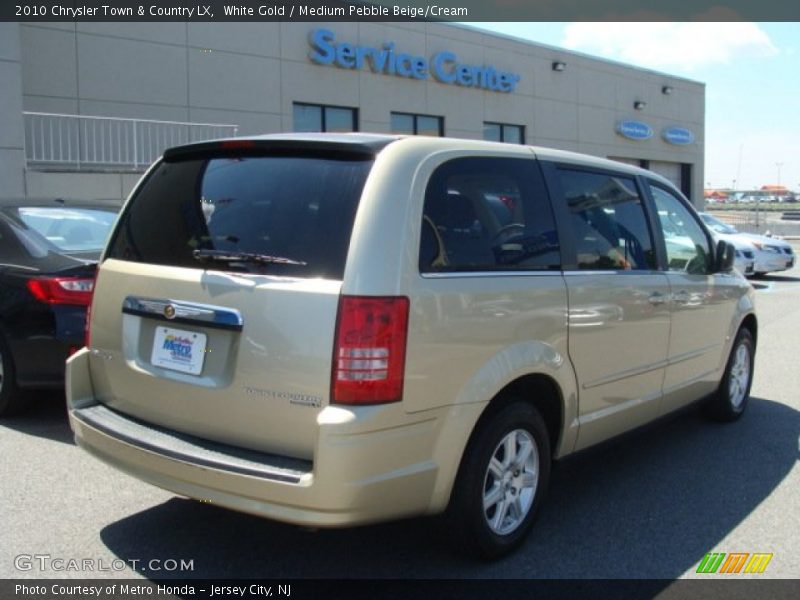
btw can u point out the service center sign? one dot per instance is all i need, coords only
(443, 66)
(679, 136)
(634, 130)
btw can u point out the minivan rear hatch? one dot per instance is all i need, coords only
(216, 301)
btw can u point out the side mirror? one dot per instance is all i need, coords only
(724, 257)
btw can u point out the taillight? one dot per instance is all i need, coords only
(62, 290)
(87, 333)
(369, 352)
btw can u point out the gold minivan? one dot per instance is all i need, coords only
(332, 330)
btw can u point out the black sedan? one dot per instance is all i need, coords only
(48, 253)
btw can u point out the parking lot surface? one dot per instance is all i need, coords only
(648, 506)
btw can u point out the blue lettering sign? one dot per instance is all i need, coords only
(345, 56)
(680, 136)
(634, 130)
(442, 70)
(324, 51)
(444, 66)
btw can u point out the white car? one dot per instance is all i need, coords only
(771, 253)
(745, 260)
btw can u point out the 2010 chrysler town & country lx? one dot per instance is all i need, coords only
(339, 329)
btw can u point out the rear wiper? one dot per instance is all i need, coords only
(251, 257)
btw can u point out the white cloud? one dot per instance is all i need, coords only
(685, 46)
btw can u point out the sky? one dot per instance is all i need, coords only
(752, 77)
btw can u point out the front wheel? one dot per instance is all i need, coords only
(501, 482)
(730, 400)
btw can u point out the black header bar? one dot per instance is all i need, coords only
(397, 10)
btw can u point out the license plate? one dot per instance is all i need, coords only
(179, 350)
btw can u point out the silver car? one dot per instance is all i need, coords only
(333, 330)
(771, 253)
(745, 261)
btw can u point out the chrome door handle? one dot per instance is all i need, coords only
(657, 298)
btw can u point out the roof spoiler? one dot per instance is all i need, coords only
(357, 148)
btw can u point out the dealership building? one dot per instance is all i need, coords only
(85, 107)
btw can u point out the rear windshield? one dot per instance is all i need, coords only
(70, 230)
(295, 209)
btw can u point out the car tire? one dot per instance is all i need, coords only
(12, 401)
(501, 482)
(730, 400)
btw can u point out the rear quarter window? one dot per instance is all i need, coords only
(299, 207)
(70, 229)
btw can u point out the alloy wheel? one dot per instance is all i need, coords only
(510, 482)
(739, 376)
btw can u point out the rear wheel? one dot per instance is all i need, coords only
(730, 400)
(11, 400)
(501, 482)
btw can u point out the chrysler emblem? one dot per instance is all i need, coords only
(169, 311)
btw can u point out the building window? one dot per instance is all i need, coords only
(417, 124)
(502, 132)
(317, 117)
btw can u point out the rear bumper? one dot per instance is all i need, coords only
(363, 471)
(41, 339)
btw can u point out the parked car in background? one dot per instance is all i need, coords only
(771, 253)
(745, 260)
(48, 253)
(681, 247)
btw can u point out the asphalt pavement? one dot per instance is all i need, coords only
(648, 506)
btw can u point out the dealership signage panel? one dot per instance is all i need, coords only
(679, 136)
(444, 67)
(634, 130)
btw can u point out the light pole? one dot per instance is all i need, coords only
(779, 165)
